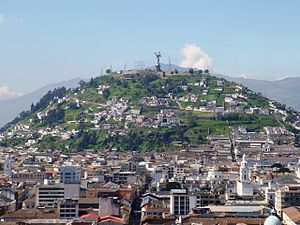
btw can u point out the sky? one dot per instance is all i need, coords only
(42, 42)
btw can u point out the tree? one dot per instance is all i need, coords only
(206, 71)
(93, 82)
(176, 71)
(200, 71)
(172, 185)
(283, 170)
(82, 83)
(191, 71)
(297, 140)
(277, 165)
(46, 99)
(108, 71)
(88, 138)
(32, 107)
(106, 94)
(54, 116)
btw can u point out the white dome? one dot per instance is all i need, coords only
(272, 220)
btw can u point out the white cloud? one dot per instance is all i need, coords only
(244, 76)
(6, 92)
(195, 57)
(1, 18)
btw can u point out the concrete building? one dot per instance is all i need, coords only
(291, 216)
(182, 201)
(109, 206)
(50, 195)
(286, 196)
(214, 174)
(68, 209)
(126, 177)
(70, 174)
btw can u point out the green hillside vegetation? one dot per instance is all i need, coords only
(75, 110)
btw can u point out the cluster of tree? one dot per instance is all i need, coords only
(161, 89)
(73, 105)
(172, 185)
(12, 142)
(192, 71)
(46, 99)
(175, 71)
(146, 80)
(51, 143)
(291, 118)
(54, 116)
(297, 140)
(236, 117)
(93, 83)
(88, 139)
(279, 105)
(280, 168)
(106, 94)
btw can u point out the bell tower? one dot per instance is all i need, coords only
(244, 170)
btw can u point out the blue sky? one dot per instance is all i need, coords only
(49, 41)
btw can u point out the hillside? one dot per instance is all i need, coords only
(10, 108)
(285, 91)
(144, 110)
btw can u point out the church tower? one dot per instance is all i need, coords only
(243, 185)
(298, 169)
(7, 166)
(244, 170)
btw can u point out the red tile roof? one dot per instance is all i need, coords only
(111, 218)
(90, 216)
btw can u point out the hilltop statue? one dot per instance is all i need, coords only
(157, 66)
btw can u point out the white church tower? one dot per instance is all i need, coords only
(7, 166)
(243, 185)
(244, 170)
(298, 169)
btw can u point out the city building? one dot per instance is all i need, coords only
(183, 201)
(287, 196)
(70, 174)
(51, 194)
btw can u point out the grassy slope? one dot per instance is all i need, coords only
(195, 125)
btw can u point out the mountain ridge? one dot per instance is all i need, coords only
(286, 91)
(10, 108)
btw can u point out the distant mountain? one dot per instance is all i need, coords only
(285, 91)
(10, 108)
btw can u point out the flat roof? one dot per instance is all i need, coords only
(233, 209)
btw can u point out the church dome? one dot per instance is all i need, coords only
(272, 219)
